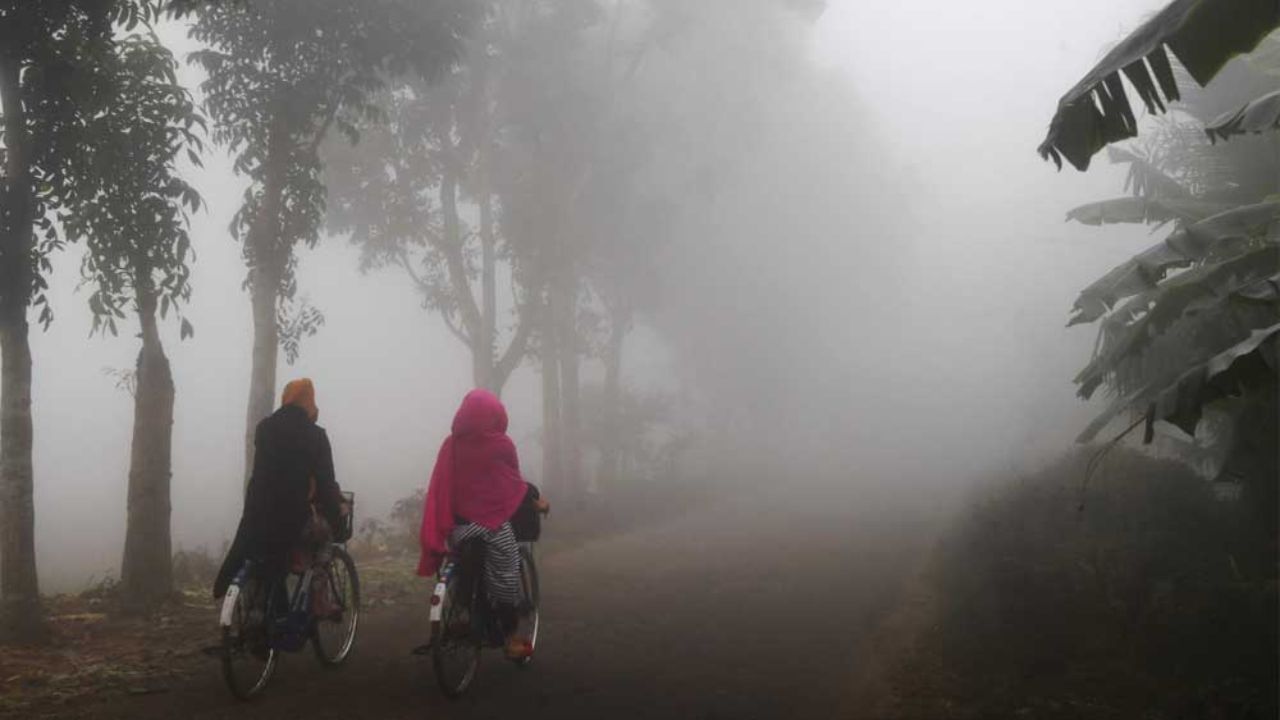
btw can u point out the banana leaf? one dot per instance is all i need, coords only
(1181, 400)
(1143, 210)
(1202, 34)
(1211, 293)
(1222, 235)
(1145, 178)
(1256, 116)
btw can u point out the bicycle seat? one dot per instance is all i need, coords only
(471, 548)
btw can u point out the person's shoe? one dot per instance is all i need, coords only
(518, 648)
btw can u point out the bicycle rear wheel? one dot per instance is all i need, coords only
(530, 597)
(248, 660)
(333, 636)
(455, 642)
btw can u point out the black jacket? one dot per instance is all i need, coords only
(289, 450)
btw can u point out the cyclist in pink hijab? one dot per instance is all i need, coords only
(475, 489)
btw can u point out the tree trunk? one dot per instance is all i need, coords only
(472, 329)
(552, 467)
(266, 352)
(266, 271)
(481, 116)
(146, 576)
(488, 293)
(21, 620)
(610, 449)
(20, 615)
(564, 307)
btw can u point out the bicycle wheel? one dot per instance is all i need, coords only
(455, 642)
(530, 597)
(248, 660)
(333, 636)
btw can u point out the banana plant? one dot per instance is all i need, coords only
(1193, 320)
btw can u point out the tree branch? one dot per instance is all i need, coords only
(451, 246)
(324, 128)
(516, 350)
(453, 327)
(403, 260)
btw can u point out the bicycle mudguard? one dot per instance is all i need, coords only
(437, 601)
(229, 605)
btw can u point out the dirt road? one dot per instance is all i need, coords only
(756, 608)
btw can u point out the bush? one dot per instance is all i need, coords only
(196, 569)
(1153, 599)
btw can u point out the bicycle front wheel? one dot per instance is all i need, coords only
(336, 604)
(248, 660)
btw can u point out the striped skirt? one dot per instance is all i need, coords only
(501, 560)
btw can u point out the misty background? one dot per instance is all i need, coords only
(878, 295)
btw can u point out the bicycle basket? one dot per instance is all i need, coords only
(346, 525)
(527, 522)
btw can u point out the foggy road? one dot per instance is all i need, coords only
(758, 608)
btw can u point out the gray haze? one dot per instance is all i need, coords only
(900, 316)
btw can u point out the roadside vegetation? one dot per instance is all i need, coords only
(1154, 598)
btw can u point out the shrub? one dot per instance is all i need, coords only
(1152, 599)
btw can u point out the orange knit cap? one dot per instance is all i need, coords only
(302, 393)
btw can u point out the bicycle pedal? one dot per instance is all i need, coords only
(421, 650)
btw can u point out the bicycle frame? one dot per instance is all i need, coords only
(294, 634)
(481, 618)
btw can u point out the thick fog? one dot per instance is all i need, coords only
(873, 287)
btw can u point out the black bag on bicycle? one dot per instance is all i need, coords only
(527, 522)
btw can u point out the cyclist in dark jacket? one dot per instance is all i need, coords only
(293, 497)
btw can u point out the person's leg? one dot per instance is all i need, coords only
(502, 566)
(502, 581)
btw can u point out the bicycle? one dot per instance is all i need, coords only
(259, 621)
(463, 622)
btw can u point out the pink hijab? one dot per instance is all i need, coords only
(477, 477)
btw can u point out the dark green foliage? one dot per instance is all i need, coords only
(134, 220)
(1156, 600)
(282, 74)
(65, 52)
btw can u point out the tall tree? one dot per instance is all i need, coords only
(52, 86)
(281, 75)
(551, 96)
(417, 194)
(135, 230)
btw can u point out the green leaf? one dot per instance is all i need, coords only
(186, 330)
